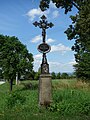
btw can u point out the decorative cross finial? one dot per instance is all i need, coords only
(44, 48)
(43, 24)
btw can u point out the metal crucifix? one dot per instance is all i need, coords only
(44, 47)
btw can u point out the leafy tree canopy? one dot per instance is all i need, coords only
(64, 76)
(80, 31)
(58, 75)
(53, 75)
(66, 4)
(14, 57)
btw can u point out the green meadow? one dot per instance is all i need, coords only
(70, 101)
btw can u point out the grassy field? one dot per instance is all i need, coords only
(71, 101)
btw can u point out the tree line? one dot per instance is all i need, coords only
(35, 75)
(63, 75)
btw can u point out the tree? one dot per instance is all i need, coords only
(80, 31)
(66, 4)
(64, 76)
(14, 58)
(58, 75)
(72, 75)
(53, 75)
(30, 75)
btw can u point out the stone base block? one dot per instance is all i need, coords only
(45, 90)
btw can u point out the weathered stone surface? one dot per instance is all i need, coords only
(45, 86)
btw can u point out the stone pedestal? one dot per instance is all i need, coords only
(45, 92)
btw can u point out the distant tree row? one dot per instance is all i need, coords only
(35, 76)
(62, 75)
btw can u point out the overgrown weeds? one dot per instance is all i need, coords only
(14, 99)
(71, 102)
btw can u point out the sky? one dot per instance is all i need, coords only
(16, 19)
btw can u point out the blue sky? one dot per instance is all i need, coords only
(16, 18)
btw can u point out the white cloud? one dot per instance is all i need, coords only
(36, 12)
(37, 57)
(59, 48)
(50, 40)
(52, 5)
(53, 8)
(54, 64)
(73, 62)
(55, 14)
(37, 61)
(60, 67)
(36, 39)
(33, 13)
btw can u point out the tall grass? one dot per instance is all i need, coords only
(71, 101)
